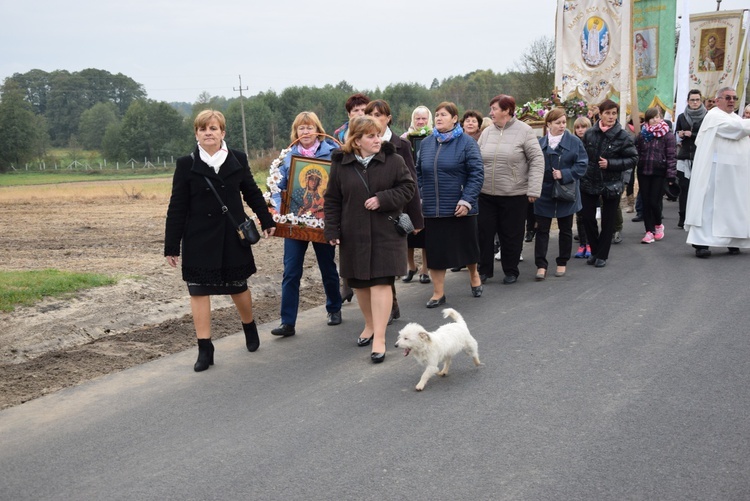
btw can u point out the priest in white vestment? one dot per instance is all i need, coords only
(718, 204)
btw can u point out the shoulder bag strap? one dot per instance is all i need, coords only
(224, 209)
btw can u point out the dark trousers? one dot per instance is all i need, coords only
(600, 242)
(530, 218)
(505, 216)
(684, 184)
(542, 240)
(294, 258)
(651, 189)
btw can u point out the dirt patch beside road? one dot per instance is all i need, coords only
(116, 228)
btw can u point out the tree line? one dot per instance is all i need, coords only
(98, 110)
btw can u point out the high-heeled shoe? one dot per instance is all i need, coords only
(424, 279)
(377, 358)
(409, 275)
(434, 303)
(348, 297)
(364, 341)
(477, 291)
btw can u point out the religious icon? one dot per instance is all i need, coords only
(595, 41)
(711, 55)
(644, 53)
(308, 183)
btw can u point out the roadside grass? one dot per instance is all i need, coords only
(23, 288)
(31, 178)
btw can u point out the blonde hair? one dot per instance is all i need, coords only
(306, 118)
(205, 116)
(582, 121)
(357, 129)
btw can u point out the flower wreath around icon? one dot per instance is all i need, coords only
(306, 220)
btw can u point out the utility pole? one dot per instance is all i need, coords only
(718, 4)
(242, 110)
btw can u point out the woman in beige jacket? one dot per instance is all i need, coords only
(513, 173)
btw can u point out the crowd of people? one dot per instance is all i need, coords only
(461, 188)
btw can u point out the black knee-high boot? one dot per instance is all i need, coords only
(205, 355)
(252, 341)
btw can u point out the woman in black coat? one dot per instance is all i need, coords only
(213, 259)
(611, 151)
(369, 185)
(381, 112)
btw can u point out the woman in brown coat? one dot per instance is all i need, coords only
(368, 187)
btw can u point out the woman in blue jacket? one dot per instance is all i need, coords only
(450, 174)
(308, 135)
(565, 161)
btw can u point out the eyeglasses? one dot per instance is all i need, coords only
(729, 98)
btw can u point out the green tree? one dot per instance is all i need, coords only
(152, 129)
(537, 68)
(111, 142)
(17, 126)
(94, 123)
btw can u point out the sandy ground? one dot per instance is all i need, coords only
(115, 228)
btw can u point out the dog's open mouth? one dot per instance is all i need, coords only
(407, 351)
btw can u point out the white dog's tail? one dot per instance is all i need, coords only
(456, 316)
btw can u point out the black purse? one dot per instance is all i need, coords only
(246, 230)
(612, 188)
(564, 192)
(402, 222)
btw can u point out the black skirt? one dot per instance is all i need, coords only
(415, 241)
(217, 289)
(451, 242)
(364, 284)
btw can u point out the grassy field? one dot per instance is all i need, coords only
(21, 288)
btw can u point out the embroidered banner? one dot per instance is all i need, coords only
(715, 43)
(654, 52)
(593, 49)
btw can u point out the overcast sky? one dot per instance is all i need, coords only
(178, 49)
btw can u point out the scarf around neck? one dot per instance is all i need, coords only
(364, 160)
(554, 141)
(216, 160)
(443, 137)
(309, 152)
(694, 116)
(649, 132)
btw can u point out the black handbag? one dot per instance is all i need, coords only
(612, 188)
(564, 192)
(403, 224)
(246, 230)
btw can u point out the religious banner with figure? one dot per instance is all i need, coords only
(715, 44)
(654, 52)
(593, 47)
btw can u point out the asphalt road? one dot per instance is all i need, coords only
(627, 382)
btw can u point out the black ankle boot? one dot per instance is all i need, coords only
(205, 355)
(252, 341)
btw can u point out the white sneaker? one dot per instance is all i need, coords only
(497, 256)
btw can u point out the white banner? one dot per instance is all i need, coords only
(593, 49)
(715, 45)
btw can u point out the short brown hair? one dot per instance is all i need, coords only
(472, 113)
(652, 113)
(357, 99)
(381, 107)
(506, 103)
(449, 107)
(205, 116)
(608, 105)
(357, 129)
(553, 115)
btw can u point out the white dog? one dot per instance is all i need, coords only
(430, 348)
